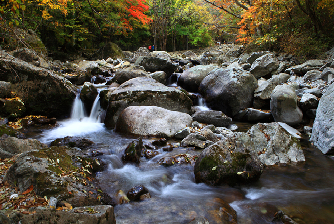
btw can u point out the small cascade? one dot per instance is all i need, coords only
(201, 103)
(95, 113)
(173, 79)
(78, 110)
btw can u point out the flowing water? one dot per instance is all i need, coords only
(304, 192)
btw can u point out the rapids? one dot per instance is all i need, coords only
(305, 192)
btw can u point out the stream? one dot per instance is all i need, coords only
(305, 192)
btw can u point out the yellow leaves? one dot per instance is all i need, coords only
(46, 15)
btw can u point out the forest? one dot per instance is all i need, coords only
(301, 27)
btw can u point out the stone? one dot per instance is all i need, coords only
(88, 95)
(123, 75)
(229, 89)
(283, 105)
(161, 54)
(133, 152)
(153, 64)
(136, 192)
(323, 131)
(182, 133)
(159, 76)
(12, 108)
(255, 55)
(70, 141)
(327, 74)
(312, 75)
(152, 121)
(264, 65)
(143, 91)
(254, 115)
(191, 78)
(12, 146)
(308, 101)
(5, 89)
(305, 67)
(217, 118)
(196, 140)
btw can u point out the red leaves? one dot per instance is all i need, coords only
(28, 190)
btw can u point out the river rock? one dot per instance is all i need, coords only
(178, 160)
(255, 55)
(152, 121)
(160, 76)
(305, 67)
(189, 54)
(88, 95)
(71, 141)
(197, 140)
(264, 65)
(12, 146)
(12, 108)
(217, 118)
(312, 75)
(123, 75)
(99, 214)
(308, 101)
(43, 170)
(133, 151)
(192, 78)
(42, 91)
(229, 89)
(161, 54)
(136, 192)
(153, 64)
(142, 51)
(327, 74)
(283, 105)
(144, 91)
(225, 163)
(254, 115)
(30, 56)
(323, 132)
(262, 94)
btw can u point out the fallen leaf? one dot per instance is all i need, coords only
(28, 190)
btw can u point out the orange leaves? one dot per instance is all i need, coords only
(28, 190)
(137, 8)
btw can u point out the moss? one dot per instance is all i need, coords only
(48, 187)
(7, 130)
(239, 160)
(210, 164)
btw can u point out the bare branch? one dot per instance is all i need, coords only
(224, 9)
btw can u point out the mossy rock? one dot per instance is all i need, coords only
(13, 108)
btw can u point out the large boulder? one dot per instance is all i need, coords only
(192, 78)
(42, 91)
(153, 64)
(12, 146)
(264, 65)
(322, 132)
(226, 163)
(152, 121)
(5, 89)
(284, 107)
(305, 67)
(30, 56)
(229, 89)
(88, 95)
(143, 91)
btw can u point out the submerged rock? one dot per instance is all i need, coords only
(133, 151)
(152, 121)
(135, 193)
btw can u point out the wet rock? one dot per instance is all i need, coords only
(123, 75)
(305, 67)
(5, 89)
(254, 115)
(149, 153)
(70, 141)
(32, 120)
(264, 65)
(161, 54)
(182, 133)
(217, 118)
(12, 146)
(255, 55)
(327, 74)
(133, 151)
(99, 214)
(42, 91)
(195, 139)
(192, 78)
(209, 135)
(281, 217)
(322, 133)
(308, 101)
(225, 163)
(144, 91)
(30, 56)
(136, 192)
(88, 95)
(153, 64)
(283, 105)
(160, 142)
(168, 148)
(152, 121)
(229, 90)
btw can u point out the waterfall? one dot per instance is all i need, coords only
(78, 110)
(201, 103)
(96, 110)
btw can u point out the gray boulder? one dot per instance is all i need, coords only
(327, 74)
(264, 65)
(262, 94)
(161, 54)
(312, 75)
(30, 56)
(192, 78)
(322, 132)
(229, 89)
(305, 67)
(283, 105)
(160, 76)
(308, 101)
(195, 139)
(255, 55)
(88, 94)
(254, 115)
(143, 91)
(217, 118)
(153, 64)
(123, 75)
(42, 91)
(152, 121)
(12, 146)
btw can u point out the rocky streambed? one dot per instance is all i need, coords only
(218, 137)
